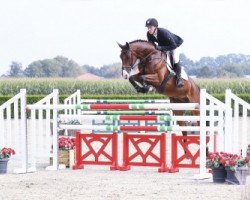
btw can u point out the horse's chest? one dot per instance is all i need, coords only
(146, 69)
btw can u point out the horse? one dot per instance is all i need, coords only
(144, 65)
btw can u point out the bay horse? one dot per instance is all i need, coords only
(152, 70)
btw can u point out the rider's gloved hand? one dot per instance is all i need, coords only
(159, 48)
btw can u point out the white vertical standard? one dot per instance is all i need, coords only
(211, 129)
(238, 103)
(41, 146)
(220, 145)
(236, 127)
(244, 132)
(73, 99)
(24, 131)
(228, 124)
(203, 174)
(54, 132)
(33, 140)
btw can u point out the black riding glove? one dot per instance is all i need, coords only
(159, 48)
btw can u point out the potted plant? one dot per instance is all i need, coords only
(248, 150)
(242, 169)
(216, 162)
(230, 166)
(237, 168)
(248, 156)
(5, 154)
(66, 144)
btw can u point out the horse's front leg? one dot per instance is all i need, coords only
(151, 79)
(135, 79)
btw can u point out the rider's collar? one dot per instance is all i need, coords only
(155, 33)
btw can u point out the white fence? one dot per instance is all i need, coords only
(13, 128)
(237, 131)
(223, 120)
(41, 138)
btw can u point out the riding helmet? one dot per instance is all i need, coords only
(151, 22)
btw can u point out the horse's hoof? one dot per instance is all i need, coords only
(145, 89)
(139, 89)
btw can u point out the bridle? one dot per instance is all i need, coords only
(136, 62)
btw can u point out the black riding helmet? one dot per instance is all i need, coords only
(151, 22)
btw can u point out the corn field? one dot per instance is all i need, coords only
(37, 86)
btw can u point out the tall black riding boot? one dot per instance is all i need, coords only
(179, 81)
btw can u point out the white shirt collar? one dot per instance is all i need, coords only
(155, 33)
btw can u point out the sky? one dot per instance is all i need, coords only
(86, 31)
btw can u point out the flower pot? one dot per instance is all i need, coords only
(241, 174)
(63, 158)
(219, 175)
(3, 165)
(231, 178)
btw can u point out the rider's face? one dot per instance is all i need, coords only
(151, 29)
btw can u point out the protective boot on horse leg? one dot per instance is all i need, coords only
(140, 79)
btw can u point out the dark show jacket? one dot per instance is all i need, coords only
(165, 39)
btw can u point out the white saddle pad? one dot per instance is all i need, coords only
(183, 72)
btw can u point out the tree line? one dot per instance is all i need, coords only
(231, 65)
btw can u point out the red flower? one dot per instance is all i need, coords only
(222, 161)
(6, 152)
(66, 143)
(232, 163)
(211, 155)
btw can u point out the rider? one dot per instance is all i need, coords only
(167, 41)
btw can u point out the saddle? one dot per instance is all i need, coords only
(170, 65)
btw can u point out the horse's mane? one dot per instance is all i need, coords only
(138, 40)
(142, 41)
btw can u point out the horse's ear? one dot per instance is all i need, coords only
(120, 45)
(127, 45)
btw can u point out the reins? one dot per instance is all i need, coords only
(138, 62)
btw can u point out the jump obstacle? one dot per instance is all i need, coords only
(223, 119)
